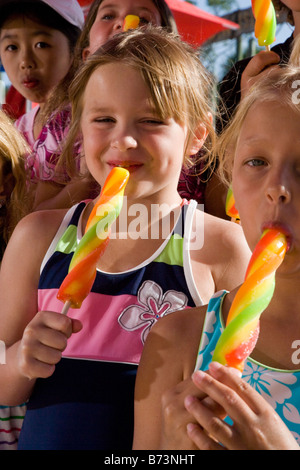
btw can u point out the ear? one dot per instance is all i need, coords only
(198, 138)
(85, 53)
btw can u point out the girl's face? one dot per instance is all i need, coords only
(110, 19)
(120, 127)
(266, 172)
(34, 57)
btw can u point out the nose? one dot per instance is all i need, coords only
(124, 143)
(27, 60)
(118, 24)
(278, 192)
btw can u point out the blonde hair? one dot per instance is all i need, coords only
(294, 59)
(179, 85)
(13, 151)
(280, 85)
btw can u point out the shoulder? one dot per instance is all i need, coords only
(175, 338)
(225, 252)
(226, 234)
(34, 233)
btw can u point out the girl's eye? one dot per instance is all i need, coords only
(42, 45)
(103, 120)
(11, 47)
(107, 17)
(144, 20)
(255, 162)
(153, 122)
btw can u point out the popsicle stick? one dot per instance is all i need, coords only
(66, 307)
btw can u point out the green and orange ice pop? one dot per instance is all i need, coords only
(83, 267)
(242, 327)
(265, 24)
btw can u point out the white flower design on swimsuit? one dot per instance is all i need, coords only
(274, 387)
(153, 304)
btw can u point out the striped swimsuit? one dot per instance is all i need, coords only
(88, 402)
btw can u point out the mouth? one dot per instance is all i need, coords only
(283, 228)
(131, 166)
(30, 83)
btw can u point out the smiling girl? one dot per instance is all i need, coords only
(80, 386)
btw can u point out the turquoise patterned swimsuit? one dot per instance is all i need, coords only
(280, 388)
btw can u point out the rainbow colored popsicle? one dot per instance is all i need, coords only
(82, 270)
(265, 24)
(231, 210)
(131, 22)
(242, 327)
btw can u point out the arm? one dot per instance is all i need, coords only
(25, 334)
(256, 425)
(168, 359)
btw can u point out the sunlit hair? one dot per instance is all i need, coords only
(59, 98)
(281, 85)
(179, 85)
(13, 151)
(295, 53)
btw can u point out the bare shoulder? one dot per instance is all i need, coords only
(39, 227)
(225, 251)
(32, 237)
(176, 337)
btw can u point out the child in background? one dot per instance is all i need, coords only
(14, 196)
(37, 42)
(260, 149)
(78, 371)
(15, 203)
(104, 20)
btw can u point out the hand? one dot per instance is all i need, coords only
(261, 64)
(256, 425)
(175, 417)
(44, 339)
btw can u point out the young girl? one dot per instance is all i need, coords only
(14, 197)
(260, 149)
(37, 41)
(134, 107)
(14, 204)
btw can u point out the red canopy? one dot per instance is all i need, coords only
(194, 25)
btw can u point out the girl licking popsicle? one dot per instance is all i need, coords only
(141, 102)
(259, 154)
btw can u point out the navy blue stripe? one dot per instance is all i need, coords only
(83, 405)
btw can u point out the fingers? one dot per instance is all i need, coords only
(259, 65)
(44, 340)
(230, 395)
(209, 425)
